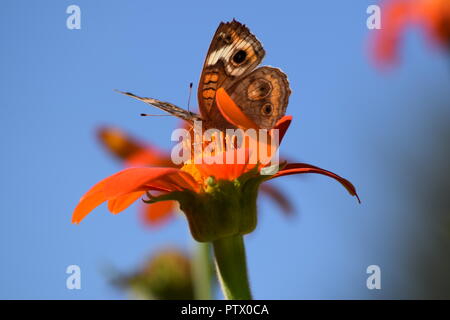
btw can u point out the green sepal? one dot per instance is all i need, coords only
(224, 209)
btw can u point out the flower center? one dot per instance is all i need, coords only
(193, 170)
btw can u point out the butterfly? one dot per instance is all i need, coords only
(261, 93)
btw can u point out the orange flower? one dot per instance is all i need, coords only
(431, 15)
(219, 200)
(137, 153)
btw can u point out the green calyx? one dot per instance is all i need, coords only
(223, 209)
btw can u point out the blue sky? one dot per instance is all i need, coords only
(57, 88)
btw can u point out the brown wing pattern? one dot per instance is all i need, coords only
(263, 95)
(233, 53)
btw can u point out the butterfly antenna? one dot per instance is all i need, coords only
(155, 115)
(189, 99)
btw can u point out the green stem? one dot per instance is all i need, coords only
(232, 268)
(202, 271)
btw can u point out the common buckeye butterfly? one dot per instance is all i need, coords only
(262, 93)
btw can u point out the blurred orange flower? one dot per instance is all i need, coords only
(433, 16)
(134, 152)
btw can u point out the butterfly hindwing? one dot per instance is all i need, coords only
(263, 95)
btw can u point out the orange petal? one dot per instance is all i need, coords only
(434, 16)
(298, 168)
(91, 200)
(276, 195)
(396, 16)
(283, 125)
(147, 157)
(131, 150)
(224, 170)
(134, 179)
(157, 212)
(121, 203)
(121, 187)
(231, 112)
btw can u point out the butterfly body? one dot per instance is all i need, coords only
(262, 93)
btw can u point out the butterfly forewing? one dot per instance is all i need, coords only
(166, 106)
(233, 53)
